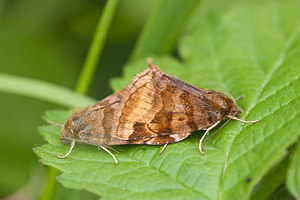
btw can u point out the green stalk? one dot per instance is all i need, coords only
(165, 23)
(43, 90)
(96, 47)
(50, 185)
(86, 76)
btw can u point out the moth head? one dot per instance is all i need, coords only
(76, 126)
(234, 111)
(225, 105)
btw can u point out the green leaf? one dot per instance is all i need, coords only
(168, 19)
(250, 49)
(293, 177)
(281, 194)
(271, 182)
(43, 90)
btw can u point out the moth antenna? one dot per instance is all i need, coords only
(164, 147)
(206, 132)
(230, 95)
(99, 107)
(217, 130)
(235, 118)
(55, 124)
(71, 147)
(112, 155)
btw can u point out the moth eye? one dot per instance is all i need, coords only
(75, 118)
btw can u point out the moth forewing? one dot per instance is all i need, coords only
(154, 109)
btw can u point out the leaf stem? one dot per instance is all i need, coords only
(86, 75)
(50, 185)
(165, 23)
(96, 47)
(43, 90)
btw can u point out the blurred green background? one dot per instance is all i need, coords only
(48, 40)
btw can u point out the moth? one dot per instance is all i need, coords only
(154, 109)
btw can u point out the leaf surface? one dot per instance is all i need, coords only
(250, 49)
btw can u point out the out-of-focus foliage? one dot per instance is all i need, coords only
(249, 47)
(48, 40)
(233, 49)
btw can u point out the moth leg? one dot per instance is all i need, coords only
(240, 97)
(71, 147)
(109, 147)
(115, 150)
(217, 130)
(206, 132)
(164, 147)
(112, 155)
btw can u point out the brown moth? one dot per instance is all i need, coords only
(154, 109)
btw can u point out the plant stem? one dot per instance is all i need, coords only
(96, 47)
(43, 90)
(86, 75)
(162, 28)
(50, 185)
